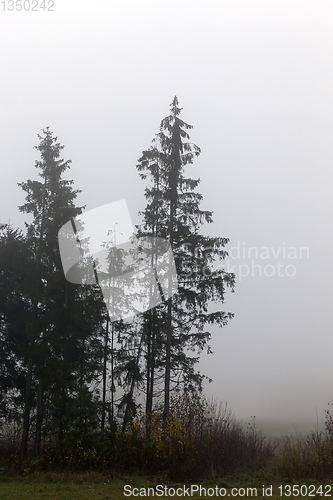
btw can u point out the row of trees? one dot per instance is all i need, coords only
(64, 366)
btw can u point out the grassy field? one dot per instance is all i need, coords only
(77, 488)
(40, 490)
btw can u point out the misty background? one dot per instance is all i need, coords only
(255, 80)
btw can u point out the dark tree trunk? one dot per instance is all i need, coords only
(27, 406)
(105, 356)
(39, 420)
(131, 392)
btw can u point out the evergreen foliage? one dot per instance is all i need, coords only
(67, 369)
(173, 211)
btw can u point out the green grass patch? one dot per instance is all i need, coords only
(81, 487)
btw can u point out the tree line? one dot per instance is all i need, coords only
(65, 367)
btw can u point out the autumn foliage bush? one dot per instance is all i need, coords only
(309, 457)
(198, 440)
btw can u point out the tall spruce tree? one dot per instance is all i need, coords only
(65, 316)
(178, 326)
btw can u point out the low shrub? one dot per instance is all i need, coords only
(197, 440)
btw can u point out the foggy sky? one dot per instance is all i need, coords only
(255, 80)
